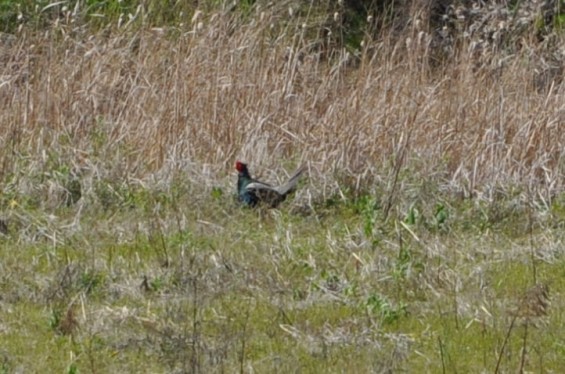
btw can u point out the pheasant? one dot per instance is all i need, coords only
(252, 192)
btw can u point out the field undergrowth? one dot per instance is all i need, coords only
(426, 236)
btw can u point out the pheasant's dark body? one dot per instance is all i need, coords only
(252, 192)
(248, 197)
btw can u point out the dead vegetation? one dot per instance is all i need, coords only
(157, 102)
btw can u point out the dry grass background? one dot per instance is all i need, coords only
(152, 102)
(152, 270)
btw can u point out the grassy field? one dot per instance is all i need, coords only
(427, 235)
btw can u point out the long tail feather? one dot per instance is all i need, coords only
(291, 184)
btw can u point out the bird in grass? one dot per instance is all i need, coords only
(252, 192)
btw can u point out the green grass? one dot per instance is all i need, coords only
(230, 288)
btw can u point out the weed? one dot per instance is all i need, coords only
(379, 306)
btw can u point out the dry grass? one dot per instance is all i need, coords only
(119, 252)
(131, 105)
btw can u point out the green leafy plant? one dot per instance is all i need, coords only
(380, 306)
(91, 281)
